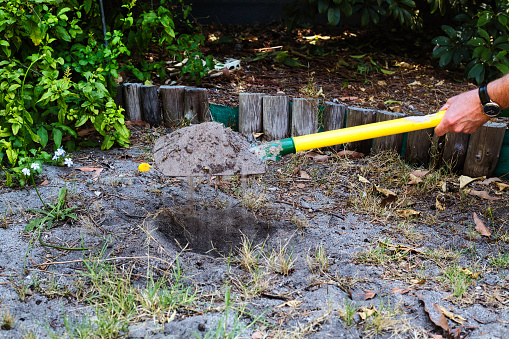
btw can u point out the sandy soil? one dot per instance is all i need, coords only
(145, 221)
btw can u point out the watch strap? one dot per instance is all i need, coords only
(483, 95)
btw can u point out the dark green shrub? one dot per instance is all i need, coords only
(57, 74)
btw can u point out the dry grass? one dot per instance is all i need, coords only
(279, 259)
(7, 320)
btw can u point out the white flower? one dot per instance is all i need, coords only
(68, 162)
(25, 171)
(35, 166)
(59, 153)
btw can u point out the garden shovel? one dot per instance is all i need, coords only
(273, 150)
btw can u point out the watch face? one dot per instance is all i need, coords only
(491, 109)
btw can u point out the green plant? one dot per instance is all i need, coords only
(502, 261)
(319, 260)
(279, 259)
(480, 40)
(458, 278)
(348, 312)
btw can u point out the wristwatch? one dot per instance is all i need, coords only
(490, 108)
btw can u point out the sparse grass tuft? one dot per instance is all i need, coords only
(457, 279)
(300, 222)
(386, 319)
(7, 320)
(380, 254)
(248, 255)
(318, 261)
(348, 312)
(280, 259)
(440, 254)
(253, 201)
(502, 261)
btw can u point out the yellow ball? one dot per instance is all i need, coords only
(144, 167)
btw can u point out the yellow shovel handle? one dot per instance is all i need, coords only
(369, 131)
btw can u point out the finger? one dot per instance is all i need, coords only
(440, 130)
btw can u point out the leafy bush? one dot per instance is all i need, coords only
(476, 33)
(480, 40)
(57, 74)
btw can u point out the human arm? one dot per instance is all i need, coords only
(464, 112)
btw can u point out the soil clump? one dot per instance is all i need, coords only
(204, 150)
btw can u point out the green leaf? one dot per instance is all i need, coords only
(445, 59)
(486, 55)
(385, 71)
(57, 137)
(333, 15)
(484, 18)
(88, 5)
(33, 224)
(451, 32)
(441, 40)
(477, 42)
(43, 134)
(476, 71)
(62, 34)
(292, 62)
(504, 69)
(390, 102)
(484, 34)
(323, 5)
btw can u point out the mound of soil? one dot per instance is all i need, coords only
(204, 150)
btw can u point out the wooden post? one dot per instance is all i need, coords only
(132, 102)
(196, 105)
(151, 110)
(418, 144)
(356, 116)
(334, 118)
(119, 97)
(484, 149)
(304, 116)
(390, 142)
(453, 150)
(173, 103)
(276, 117)
(250, 113)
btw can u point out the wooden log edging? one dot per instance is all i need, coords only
(474, 155)
(276, 117)
(250, 113)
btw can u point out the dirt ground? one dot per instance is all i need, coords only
(324, 245)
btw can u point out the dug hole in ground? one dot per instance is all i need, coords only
(320, 246)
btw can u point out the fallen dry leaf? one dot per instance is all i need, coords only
(385, 191)
(304, 175)
(415, 83)
(397, 290)
(465, 180)
(470, 273)
(257, 135)
(369, 294)
(480, 227)
(83, 132)
(290, 303)
(419, 173)
(317, 157)
(454, 317)
(501, 186)
(443, 186)
(442, 321)
(388, 201)
(414, 179)
(482, 194)
(363, 180)
(350, 154)
(366, 312)
(44, 183)
(256, 335)
(301, 185)
(438, 205)
(347, 98)
(407, 213)
(489, 181)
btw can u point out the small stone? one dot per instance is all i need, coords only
(201, 327)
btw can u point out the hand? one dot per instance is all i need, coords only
(463, 114)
